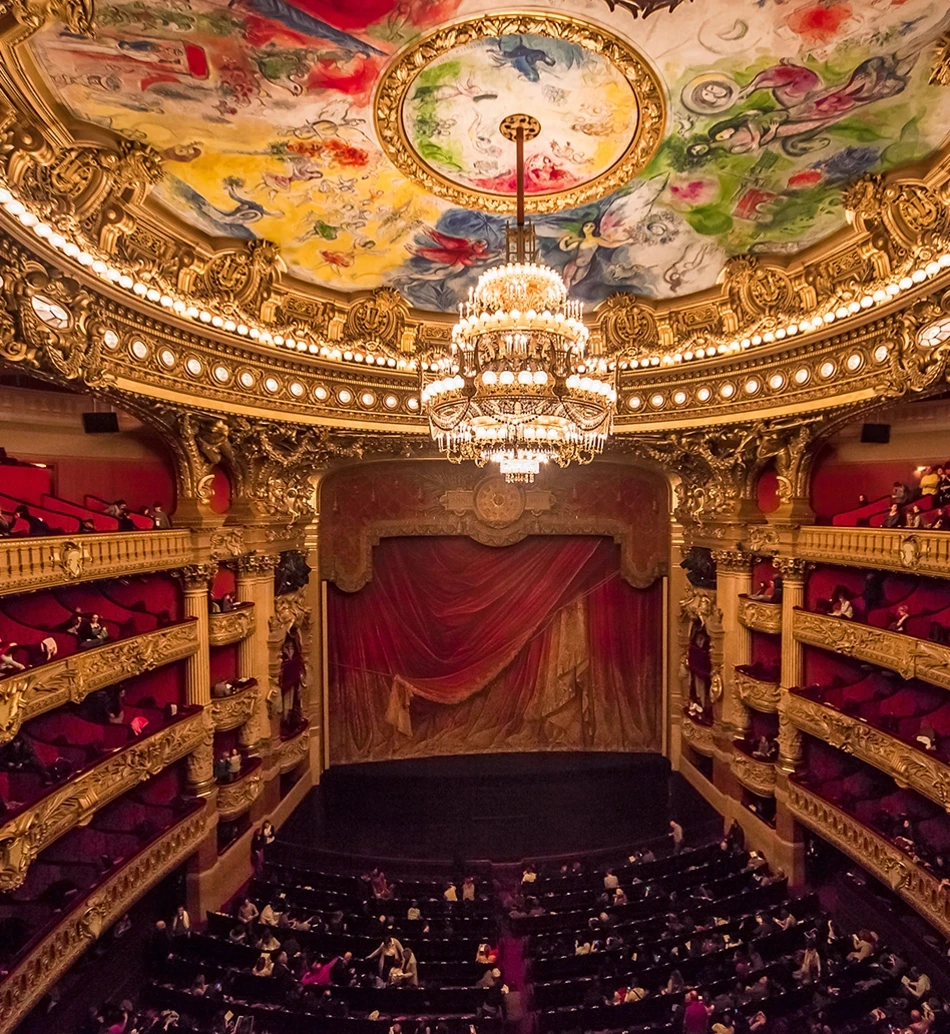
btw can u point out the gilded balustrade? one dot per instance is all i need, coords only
(233, 711)
(48, 686)
(38, 563)
(919, 552)
(699, 737)
(231, 626)
(914, 884)
(763, 617)
(236, 797)
(28, 832)
(905, 764)
(908, 656)
(92, 914)
(293, 750)
(755, 693)
(755, 775)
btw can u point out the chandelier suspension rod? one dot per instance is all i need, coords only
(519, 167)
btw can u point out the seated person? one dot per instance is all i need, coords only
(841, 606)
(36, 525)
(915, 519)
(900, 619)
(92, 633)
(900, 494)
(894, 518)
(940, 522)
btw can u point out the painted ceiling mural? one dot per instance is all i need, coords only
(264, 111)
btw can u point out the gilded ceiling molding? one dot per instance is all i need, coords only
(940, 75)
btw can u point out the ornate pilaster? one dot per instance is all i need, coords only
(195, 582)
(255, 584)
(313, 700)
(733, 578)
(793, 592)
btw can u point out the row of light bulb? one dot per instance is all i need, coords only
(591, 384)
(550, 322)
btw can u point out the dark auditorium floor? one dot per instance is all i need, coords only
(503, 807)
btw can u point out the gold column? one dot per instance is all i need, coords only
(195, 581)
(733, 578)
(313, 705)
(255, 584)
(793, 594)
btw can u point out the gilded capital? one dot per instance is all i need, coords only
(257, 563)
(195, 578)
(792, 568)
(732, 561)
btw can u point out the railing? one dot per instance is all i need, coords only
(231, 626)
(38, 563)
(921, 552)
(236, 797)
(293, 750)
(28, 832)
(907, 765)
(889, 864)
(699, 737)
(230, 712)
(755, 693)
(48, 686)
(90, 915)
(908, 656)
(763, 617)
(755, 775)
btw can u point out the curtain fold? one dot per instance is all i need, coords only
(455, 647)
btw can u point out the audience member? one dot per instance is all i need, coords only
(894, 517)
(35, 525)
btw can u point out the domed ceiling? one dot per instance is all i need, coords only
(362, 135)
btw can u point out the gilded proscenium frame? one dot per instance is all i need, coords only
(910, 657)
(396, 82)
(31, 831)
(905, 764)
(892, 867)
(90, 916)
(44, 688)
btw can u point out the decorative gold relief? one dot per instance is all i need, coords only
(241, 280)
(33, 976)
(233, 711)
(757, 776)
(235, 798)
(763, 617)
(895, 869)
(292, 752)
(699, 737)
(227, 544)
(379, 320)
(31, 831)
(940, 75)
(908, 766)
(732, 561)
(756, 289)
(761, 696)
(921, 552)
(232, 626)
(627, 325)
(37, 690)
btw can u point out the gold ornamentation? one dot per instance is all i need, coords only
(757, 776)
(70, 680)
(242, 280)
(233, 711)
(762, 617)
(791, 568)
(940, 75)
(923, 552)
(763, 539)
(29, 832)
(289, 610)
(379, 320)
(258, 564)
(227, 543)
(699, 737)
(292, 752)
(754, 693)
(76, 15)
(627, 325)
(33, 976)
(732, 561)
(195, 578)
(231, 626)
(880, 857)
(235, 798)
(497, 502)
(398, 78)
(756, 289)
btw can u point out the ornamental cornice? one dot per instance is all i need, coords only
(916, 552)
(757, 776)
(754, 693)
(912, 882)
(291, 752)
(908, 766)
(29, 832)
(759, 616)
(235, 798)
(235, 710)
(257, 564)
(908, 656)
(91, 915)
(70, 680)
(231, 626)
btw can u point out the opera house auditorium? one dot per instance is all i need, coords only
(474, 517)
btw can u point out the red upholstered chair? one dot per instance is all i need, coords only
(861, 515)
(101, 521)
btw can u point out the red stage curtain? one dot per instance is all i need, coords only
(456, 647)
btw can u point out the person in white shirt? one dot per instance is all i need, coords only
(181, 924)
(468, 889)
(917, 983)
(414, 914)
(841, 606)
(676, 831)
(610, 881)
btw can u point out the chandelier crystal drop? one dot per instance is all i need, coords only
(518, 385)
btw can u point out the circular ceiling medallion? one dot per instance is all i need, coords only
(498, 503)
(440, 104)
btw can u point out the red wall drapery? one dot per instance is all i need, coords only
(456, 647)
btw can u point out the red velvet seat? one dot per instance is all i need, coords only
(57, 521)
(102, 521)
(90, 599)
(141, 523)
(861, 514)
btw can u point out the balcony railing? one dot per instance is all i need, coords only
(755, 693)
(908, 656)
(889, 864)
(755, 775)
(44, 962)
(37, 690)
(921, 552)
(26, 833)
(230, 712)
(763, 617)
(907, 765)
(699, 737)
(236, 797)
(293, 750)
(231, 626)
(38, 563)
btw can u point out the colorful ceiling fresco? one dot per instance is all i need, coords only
(264, 111)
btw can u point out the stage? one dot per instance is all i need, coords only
(503, 807)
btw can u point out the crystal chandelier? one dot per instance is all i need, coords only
(518, 386)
